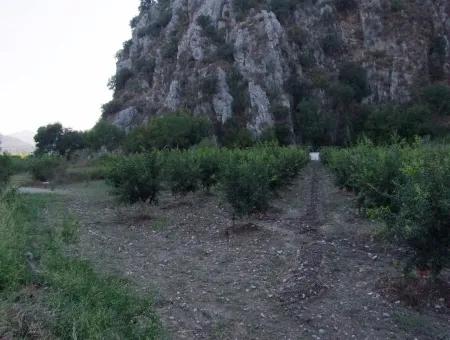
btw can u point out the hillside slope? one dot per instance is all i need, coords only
(14, 145)
(255, 61)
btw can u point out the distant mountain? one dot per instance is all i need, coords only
(25, 136)
(15, 146)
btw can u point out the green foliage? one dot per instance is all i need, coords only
(331, 44)
(181, 171)
(146, 67)
(111, 107)
(170, 49)
(47, 168)
(283, 8)
(74, 301)
(209, 162)
(239, 91)
(437, 97)
(406, 122)
(355, 76)
(248, 178)
(437, 58)
(6, 169)
(407, 187)
(47, 138)
(209, 30)
(105, 135)
(176, 130)
(397, 5)
(163, 18)
(54, 139)
(246, 183)
(120, 79)
(234, 135)
(242, 7)
(345, 5)
(136, 178)
(209, 86)
(310, 123)
(251, 177)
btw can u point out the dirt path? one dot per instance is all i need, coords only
(306, 270)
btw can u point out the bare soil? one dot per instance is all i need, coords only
(311, 268)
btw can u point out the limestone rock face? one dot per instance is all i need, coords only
(215, 59)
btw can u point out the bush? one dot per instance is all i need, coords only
(331, 44)
(310, 123)
(176, 130)
(283, 8)
(246, 184)
(6, 168)
(182, 172)
(118, 81)
(47, 168)
(355, 76)
(437, 97)
(345, 5)
(209, 30)
(105, 134)
(209, 162)
(111, 107)
(251, 177)
(422, 221)
(403, 185)
(234, 135)
(437, 58)
(136, 178)
(242, 7)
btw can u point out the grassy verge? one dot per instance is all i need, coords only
(45, 293)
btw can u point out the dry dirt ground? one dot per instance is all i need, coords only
(311, 268)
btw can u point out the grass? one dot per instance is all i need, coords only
(71, 301)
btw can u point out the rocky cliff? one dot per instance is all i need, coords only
(255, 60)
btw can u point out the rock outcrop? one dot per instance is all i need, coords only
(253, 58)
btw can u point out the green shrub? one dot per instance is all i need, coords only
(239, 91)
(105, 135)
(118, 81)
(311, 124)
(331, 44)
(181, 171)
(176, 130)
(234, 135)
(406, 187)
(6, 169)
(242, 7)
(437, 58)
(246, 184)
(251, 177)
(283, 8)
(209, 162)
(136, 178)
(209, 30)
(437, 97)
(397, 5)
(355, 76)
(422, 221)
(111, 107)
(47, 168)
(345, 5)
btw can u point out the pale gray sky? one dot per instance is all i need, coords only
(55, 59)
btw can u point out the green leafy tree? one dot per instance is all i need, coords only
(176, 130)
(136, 178)
(105, 134)
(47, 138)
